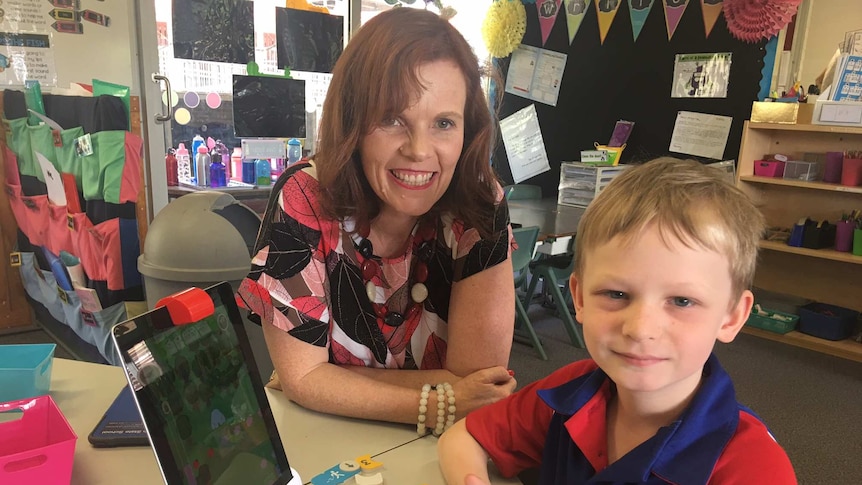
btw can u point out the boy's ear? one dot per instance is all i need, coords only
(736, 318)
(577, 296)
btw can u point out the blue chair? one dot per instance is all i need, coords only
(526, 238)
(555, 272)
(522, 192)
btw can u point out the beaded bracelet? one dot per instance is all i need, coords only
(441, 410)
(423, 408)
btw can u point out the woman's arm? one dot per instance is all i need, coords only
(481, 320)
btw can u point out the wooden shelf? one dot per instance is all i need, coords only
(849, 130)
(814, 253)
(801, 184)
(847, 349)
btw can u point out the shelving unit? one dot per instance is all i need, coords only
(819, 274)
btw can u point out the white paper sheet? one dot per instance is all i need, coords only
(56, 193)
(525, 147)
(700, 134)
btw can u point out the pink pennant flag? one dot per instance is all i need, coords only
(673, 10)
(548, 10)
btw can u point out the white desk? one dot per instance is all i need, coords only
(314, 442)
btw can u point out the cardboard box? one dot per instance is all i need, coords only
(783, 113)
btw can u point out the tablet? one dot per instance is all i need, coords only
(201, 397)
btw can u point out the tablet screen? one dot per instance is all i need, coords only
(201, 397)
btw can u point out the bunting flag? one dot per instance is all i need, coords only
(548, 10)
(639, 11)
(575, 11)
(673, 10)
(711, 11)
(606, 10)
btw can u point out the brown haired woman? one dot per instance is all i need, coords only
(385, 265)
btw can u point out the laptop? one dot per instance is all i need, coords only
(199, 392)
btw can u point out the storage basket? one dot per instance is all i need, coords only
(769, 168)
(773, 321)
(37, 448)
(580, 182)
(827, 321)
(801, 170)
(25, 370)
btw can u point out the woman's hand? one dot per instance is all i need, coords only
(485, 386)
(474, 480)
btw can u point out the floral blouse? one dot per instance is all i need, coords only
(306, 280)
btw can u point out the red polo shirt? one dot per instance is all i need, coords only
(558, 424)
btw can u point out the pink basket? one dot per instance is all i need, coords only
(37, 448)
(769, 168)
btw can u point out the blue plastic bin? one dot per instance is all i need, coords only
(25, 370)
(827, 321)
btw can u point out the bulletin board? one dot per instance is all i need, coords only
(630, 80)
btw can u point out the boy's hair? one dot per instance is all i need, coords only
(686, 200)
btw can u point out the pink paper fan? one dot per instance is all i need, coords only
(754, 20)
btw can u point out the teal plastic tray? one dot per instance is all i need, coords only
(25, 370)
(767, 322)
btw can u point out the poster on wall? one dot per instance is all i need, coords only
(536, 74)
(26, 43)
(701, 75)
(214, 30)
(700, 134)
(308, 41)
(525, 148)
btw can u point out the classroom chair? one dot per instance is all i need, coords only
(555, 272)
(525, 237)
(522, 192)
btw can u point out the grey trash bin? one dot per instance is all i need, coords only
(199, 239)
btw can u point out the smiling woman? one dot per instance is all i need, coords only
(373, 269)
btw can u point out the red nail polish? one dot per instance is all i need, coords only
(511, 373)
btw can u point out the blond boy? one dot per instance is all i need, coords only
(664, 259)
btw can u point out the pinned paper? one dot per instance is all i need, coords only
(673, 10)
(711, 10)
(525, 148)
(639, 11)
(575, 11)
(53, 181)
(606, 10)
(548, 10)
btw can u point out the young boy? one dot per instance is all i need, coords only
(663, 262)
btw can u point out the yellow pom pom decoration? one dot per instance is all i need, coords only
(504, 27)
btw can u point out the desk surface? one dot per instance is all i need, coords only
(554, 220)
(313, 441)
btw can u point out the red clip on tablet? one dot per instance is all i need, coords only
(188, 306)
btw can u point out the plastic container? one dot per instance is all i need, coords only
(801, 170)
(38, 448)
(236, 164)
(202, 167)
(248, 171)
(217, 174)
(263, 172)
(832, 170)
(844, 236)
(171, 168)
(827, 321)
(294, 151)
(773, 321)
(25, 371)
(211, 246)
(185, 169)
(197, 142)
(769, 168)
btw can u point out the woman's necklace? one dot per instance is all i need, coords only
(371, 266)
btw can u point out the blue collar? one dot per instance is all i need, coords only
(687, 450)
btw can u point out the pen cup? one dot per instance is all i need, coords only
(832, 171)
(844, 236)
(851, 172)
(857, 242)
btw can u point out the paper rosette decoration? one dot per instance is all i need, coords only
(755, 20)
(504, 27)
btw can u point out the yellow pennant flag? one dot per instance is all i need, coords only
(711, 11)
(606, 10)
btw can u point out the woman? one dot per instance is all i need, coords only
(385, 266)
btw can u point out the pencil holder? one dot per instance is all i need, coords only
(844, 236)
(614, 153)
(851, 172)
(832, 170)
(857, 242)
